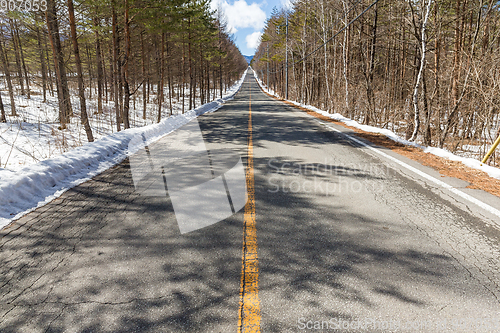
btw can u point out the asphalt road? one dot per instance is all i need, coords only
(345, 239)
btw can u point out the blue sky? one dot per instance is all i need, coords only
(246, 19)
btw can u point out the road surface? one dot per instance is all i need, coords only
(344, 238)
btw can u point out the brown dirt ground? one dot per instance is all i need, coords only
(447, 168)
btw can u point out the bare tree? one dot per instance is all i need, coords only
(423, 40)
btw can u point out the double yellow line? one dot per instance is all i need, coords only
(249, 310)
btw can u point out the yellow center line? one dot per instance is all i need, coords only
(249, 310)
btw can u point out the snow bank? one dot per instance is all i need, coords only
(470, 162)
(36, 185)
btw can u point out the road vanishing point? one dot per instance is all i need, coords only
(337, 235)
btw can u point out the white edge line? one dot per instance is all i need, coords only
(465, 196)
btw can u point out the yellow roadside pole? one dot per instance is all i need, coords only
(492, 149)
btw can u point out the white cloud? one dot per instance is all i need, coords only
(253, 40)
(241, 15)
(287, 4)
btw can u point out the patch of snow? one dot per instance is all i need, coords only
(470, 162)
(35, 185)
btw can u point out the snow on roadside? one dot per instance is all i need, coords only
(470, 162)
(36, 185)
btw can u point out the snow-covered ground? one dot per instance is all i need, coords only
(33, 134)
(43, 162)
(470, 162)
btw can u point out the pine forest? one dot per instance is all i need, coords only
(74, 71)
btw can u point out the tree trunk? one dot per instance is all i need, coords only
(3, 118)
(327, 96)
(371, 69)
(116, 67)
(202, 80)
(183, 75)
(42, 65)
(5, 63)
(436, 96)
(345, 54)
(143, 58)
(99, 65)
(194, 87)
(18, 58)
(47, 61)
(427, 113)
(89, 68)
(78, 62)
(126, 103)
(26, 77)
(105, 79)
(160, 79)
(61, 80)
(456, 71)
(190, 67)
(170, 88)
(423, 40)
